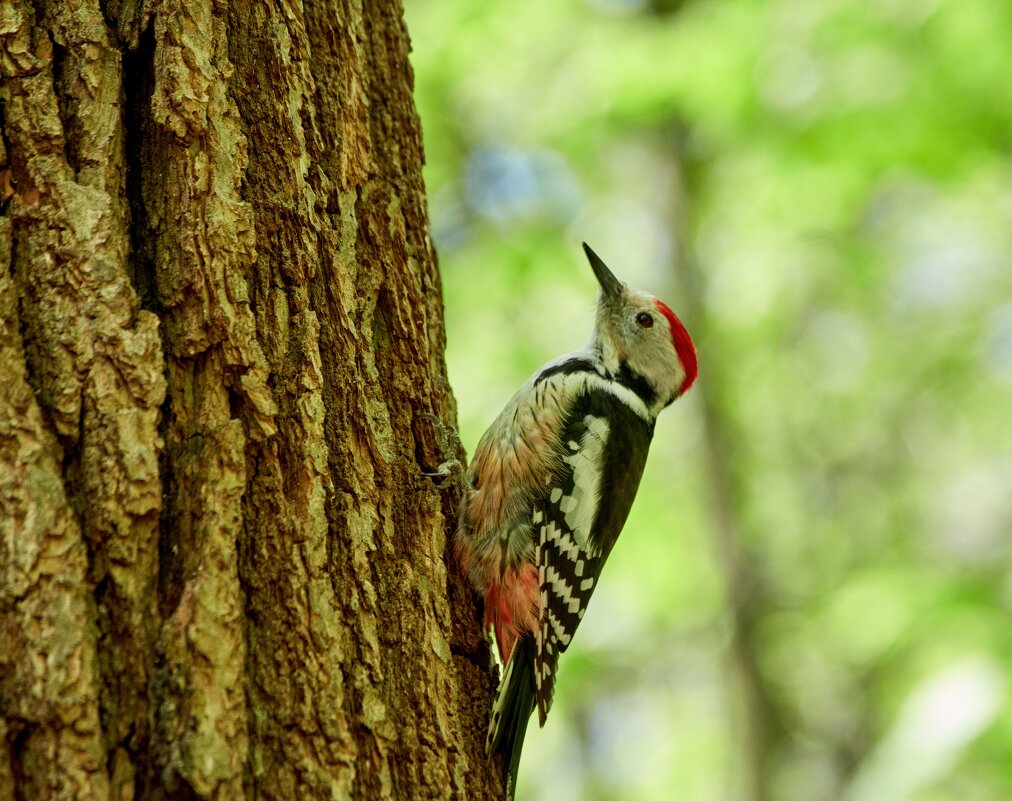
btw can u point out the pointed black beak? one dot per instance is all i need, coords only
(610, 285)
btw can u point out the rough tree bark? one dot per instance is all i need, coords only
(222, 575)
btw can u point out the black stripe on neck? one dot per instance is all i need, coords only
(637, 383)
(577, 364)
(625, 376)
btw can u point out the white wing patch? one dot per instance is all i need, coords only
(580, 508)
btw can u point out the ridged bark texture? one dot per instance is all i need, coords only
(222, 575)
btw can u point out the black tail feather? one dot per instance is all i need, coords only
(512, 711)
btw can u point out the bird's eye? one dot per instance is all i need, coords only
(644, 320)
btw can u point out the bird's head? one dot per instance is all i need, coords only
(639, 337)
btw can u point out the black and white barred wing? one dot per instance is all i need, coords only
(568, 561)
(604, 451)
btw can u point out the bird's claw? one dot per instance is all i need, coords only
(451, 472)
(447, 474)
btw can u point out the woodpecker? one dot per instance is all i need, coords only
(551, 485)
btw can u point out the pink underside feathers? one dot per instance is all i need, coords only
(512, 606)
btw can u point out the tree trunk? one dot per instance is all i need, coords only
(221, 572)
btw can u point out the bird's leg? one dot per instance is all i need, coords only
(451, 472)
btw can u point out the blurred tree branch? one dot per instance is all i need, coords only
(762, 729)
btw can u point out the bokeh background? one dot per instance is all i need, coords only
(811, 600)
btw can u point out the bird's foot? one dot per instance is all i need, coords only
(450, 473)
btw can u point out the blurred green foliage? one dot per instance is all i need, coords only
(812, 597)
